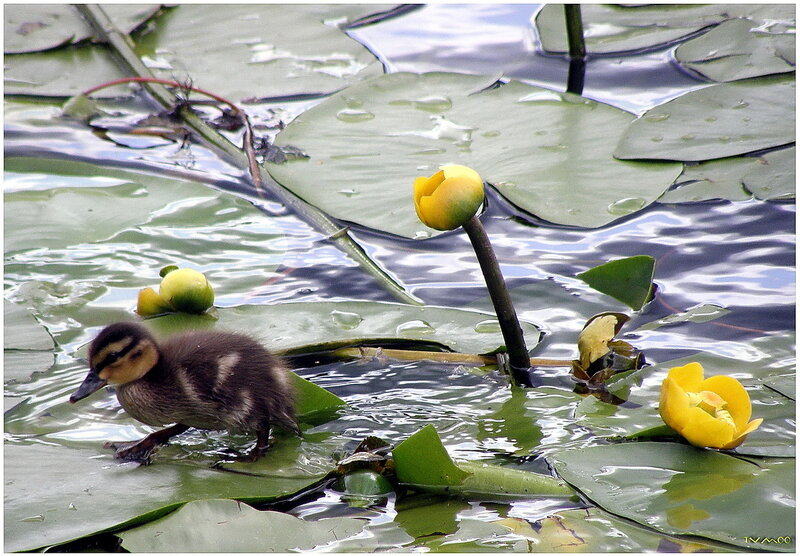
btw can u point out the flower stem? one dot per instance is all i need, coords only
(506, 315)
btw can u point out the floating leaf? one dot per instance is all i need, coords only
(292, 328)
(613, 28)
(683, 490)
(422, 462)
(421, 459)
(83, 493)
(774, 177)
(740, 48)
(313, 400)
(259, 59)
(35, 27)
(702, 313)
(714, 122)
(546, 152)
(629, 280)
(229, 526)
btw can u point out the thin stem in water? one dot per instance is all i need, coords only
(501, 299)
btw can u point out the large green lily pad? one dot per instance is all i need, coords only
(612, 29)
(87, 494)
(269, 50)
(682, 490)
(291, 328)
(715, 122)
(232, 527)
(741, 48)
(549, 153)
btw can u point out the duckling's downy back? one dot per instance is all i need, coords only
(213, 380)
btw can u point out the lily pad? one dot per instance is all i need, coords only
(610, 29)
(549, 153)
(35, 27)
(741, 48)
(768, 176)
(229, 526)
(291, 328)
(715, 122)
(83, 496)
(682, 490)
(271, 50)
(702, 313)
(629, 280)
(422, 463)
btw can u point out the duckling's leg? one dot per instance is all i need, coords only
(261, 447)
(141, 450)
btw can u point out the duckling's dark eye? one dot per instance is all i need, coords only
(113, 356)
(136, 354)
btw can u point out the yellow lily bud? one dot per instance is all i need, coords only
(449, 198)
(150, 303)
(713, 413)
(187, 290)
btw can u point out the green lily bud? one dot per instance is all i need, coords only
(187, 290)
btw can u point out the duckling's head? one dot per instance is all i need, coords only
(121, 353)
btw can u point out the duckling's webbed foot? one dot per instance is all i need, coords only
(261, 447)
(142, 450)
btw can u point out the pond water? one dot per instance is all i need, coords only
(732, 255)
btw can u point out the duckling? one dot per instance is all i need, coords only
(203, 379)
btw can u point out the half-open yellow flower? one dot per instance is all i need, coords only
(449, 198)
(713, 412)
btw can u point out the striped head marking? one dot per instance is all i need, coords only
(122, 353)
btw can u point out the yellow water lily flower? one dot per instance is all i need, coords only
(713, 412)
(187, 290)
(448, 198)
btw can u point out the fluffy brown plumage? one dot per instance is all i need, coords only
(204, 379)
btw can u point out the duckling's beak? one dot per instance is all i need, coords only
(92, 383)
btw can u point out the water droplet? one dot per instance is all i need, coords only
(348, 192)
(489, 326)
(422, 234)
(32, 519)
(72, 507)
(505, 184)
(490, 134)
(345, 319)
(433, 104)
(431, 151)
(725, 139)
(414, 327)
(689, 137)
(657, 117)
(352, 102)
(656, 138)
(540, 132)
(711, 119)
(626, 206)
(352, 115)
(554, 148)
(741, 104)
